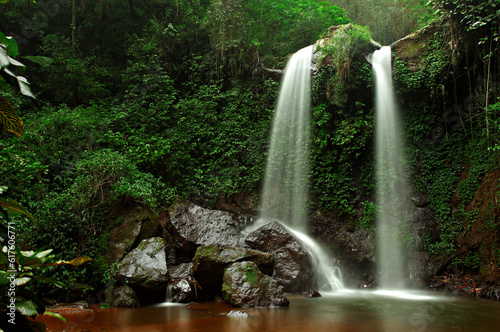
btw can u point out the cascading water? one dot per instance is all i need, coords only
(390, 175)
(285, 191)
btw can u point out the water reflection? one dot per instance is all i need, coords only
(374, 311)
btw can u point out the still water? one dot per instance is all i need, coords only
(343, 311)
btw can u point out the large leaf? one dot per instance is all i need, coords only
(9, 119)
(4, 56)
(26, 308)
(11, 44)
(75, 262)
(14, 209)
(24, 87)
(40, 60)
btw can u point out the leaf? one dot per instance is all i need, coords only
(26, 308)
(75, 262)
(52, 281)
(40, 60)
(14, 209)
(24, 86)
(21, 281)
(55, 314)
(14, 62)
(4, 56)
(11, 44)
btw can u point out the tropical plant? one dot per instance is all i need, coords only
(18, 268)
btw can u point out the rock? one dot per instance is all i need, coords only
(238, 314)
(181, 271)
(146, 269)
(122, 236)
(313, 293)
(292, 265)
(124, 296)
(210, 261)
(354, 249)
(245, 286)
(138, 223)
(184, 290)
(193, 226)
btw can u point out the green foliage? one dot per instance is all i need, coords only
(367, 220)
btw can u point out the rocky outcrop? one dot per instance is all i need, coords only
(292, 267)
(138, 223)
(210, 262)
(245, 286)
(193, 226)
(146, 269)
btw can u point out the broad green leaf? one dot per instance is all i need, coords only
(4, 56)
(14, 62)
(55, 314)
(9, 119)
(75, 262)
(24, 87)
(21, 281)
(40, 60)
(26, 308)
(52, 281)
(13, 208)
(11, 44)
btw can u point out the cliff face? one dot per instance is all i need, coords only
(452, 225)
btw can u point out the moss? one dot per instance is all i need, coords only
(252, 275)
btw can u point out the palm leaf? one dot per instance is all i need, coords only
(9, 118)
(14, 209)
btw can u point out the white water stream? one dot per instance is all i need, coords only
(390, 175)
(285, 192)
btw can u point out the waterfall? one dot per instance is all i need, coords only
(285, 191)
(390, 175)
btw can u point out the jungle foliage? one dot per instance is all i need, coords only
(170, 100)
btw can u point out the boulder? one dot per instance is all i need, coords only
(183, 290)
(181, 271)
(137, 224)
(192, 226)
(292, 264)
(210, 261)
(146, 269)
(244, 285)
(124, 296)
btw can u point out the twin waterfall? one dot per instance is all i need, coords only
(285, 191)
(390, 175)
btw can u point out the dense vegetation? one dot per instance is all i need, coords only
(140, 101)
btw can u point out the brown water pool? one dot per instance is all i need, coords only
(342, 311)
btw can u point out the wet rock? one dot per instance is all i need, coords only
(238, 314)
(138, 223)
(184, 290)
(193, 226)
(210, 261)
(313, 293)
(245, 286)
(355, 250)
(124, 296)
(181, 271)
(146, 269)
(122, 237)
(292, 265)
